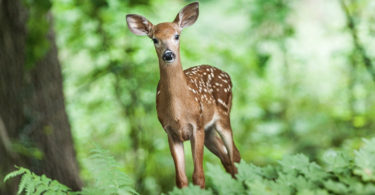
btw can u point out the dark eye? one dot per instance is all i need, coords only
(155, 41)
(176, 37)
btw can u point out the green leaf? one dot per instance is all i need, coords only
(297, 163)
(248, 172)
(109, 178)
(25, 180)
(336, 187)
(365, 161)
(191, 189)
(15, 173)
(312, 192)
(336, 161)
(260, 187)
(223, 182)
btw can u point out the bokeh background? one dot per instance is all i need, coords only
(303, 73)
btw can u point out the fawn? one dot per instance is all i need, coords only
(192, 104)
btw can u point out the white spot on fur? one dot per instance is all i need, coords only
(212, 121)
(222, 102)
(225, 150)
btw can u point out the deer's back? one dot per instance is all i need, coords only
(210, 85)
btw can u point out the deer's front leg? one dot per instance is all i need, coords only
(177, 151)
(197, 144)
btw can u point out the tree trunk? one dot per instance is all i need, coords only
(34, 127)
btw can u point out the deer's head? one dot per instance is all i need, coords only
(165, 35)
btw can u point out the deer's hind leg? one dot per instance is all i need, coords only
(224, 129)
(228, 153)
(216, 146)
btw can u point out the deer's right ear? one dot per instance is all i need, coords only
(188, 15)
(139, 25)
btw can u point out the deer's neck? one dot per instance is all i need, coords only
(172, 78)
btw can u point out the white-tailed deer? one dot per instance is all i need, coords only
(192, 104)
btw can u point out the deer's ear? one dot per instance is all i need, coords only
(188, 15)
(139, 25)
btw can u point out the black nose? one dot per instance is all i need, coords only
(168, 56)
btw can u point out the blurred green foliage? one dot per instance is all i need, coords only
(302, 84)
(37, 29)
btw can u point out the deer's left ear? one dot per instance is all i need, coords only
(139, 25)
(188, 15)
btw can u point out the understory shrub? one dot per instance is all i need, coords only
(339, 173)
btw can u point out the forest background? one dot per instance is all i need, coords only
(73, 77)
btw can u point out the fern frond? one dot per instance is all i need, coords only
(109, 178)
(34, 184)
(15, 173)
(41, 188)
(25, 180)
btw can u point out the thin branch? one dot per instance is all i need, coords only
(358, 46)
